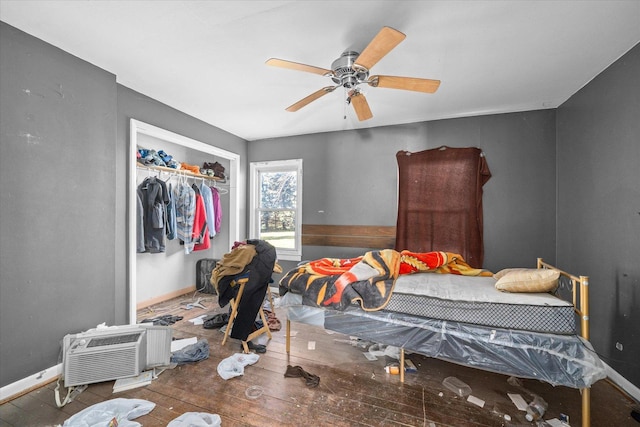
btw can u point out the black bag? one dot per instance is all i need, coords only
(204, 267)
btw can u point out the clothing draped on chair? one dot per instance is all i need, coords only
(258, 264)
(440, 201)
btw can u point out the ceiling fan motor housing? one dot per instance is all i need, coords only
(344, 73)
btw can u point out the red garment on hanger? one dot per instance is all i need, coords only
(200, 227)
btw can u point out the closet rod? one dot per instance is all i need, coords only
(177, 172)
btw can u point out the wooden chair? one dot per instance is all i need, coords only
(241, 282)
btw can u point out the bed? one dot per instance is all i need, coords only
(527, 335)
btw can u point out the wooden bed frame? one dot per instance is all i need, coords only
(579, 286)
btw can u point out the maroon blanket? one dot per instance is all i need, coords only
(440, 202)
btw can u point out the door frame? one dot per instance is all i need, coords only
(136, 128)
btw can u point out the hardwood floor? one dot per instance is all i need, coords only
(352, 391)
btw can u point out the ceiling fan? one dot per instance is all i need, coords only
(352, 69)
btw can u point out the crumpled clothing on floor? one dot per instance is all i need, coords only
(164, 320)
(191, 353)
(121, 409)
(310, 380)
(272, 321)
(233, 366)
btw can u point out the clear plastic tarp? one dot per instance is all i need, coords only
(566, 360)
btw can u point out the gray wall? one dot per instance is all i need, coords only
(350, 178)
(599, 206)
(63, 196)
(57, 198)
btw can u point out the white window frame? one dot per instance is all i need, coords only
(255, 169)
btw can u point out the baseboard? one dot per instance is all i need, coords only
(166, 297)
(622, 383)
(25, 385)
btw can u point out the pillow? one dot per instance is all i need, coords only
(527, 280)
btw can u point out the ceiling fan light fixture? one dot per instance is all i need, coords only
(344, 74)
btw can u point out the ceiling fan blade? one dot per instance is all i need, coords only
(309, 99)
(382, 43)
(405, 83)
(275, 62)
(361, 106)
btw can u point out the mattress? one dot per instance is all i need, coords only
(475, 300)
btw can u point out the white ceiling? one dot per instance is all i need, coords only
(207, 58)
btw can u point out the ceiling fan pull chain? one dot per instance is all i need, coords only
(344, 96)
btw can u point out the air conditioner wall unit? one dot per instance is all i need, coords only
(116, 352)
(158, 345)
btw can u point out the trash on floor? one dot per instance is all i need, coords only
(123, 384)
(311, 380)
(392, 369)
(500, 412)
(198, 320)
(182, 343)
(121, 410)
(536, 409)
(369, 356)
(555, 422)
(457, 386)
(192, 305)
(254, 392)
(475, 400)
(518, 400)
(233, 366)
(409, 366)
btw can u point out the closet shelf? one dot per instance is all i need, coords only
(177, 171)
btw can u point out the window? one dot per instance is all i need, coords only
(276, 206)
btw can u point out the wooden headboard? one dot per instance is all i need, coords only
(353, 236)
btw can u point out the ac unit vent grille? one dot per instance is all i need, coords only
(117, 339)
(95, 367)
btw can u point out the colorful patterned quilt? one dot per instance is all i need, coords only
(368, 280)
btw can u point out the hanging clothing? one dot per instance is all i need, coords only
(139, 224)
(440, 202)
(172, 224)
(154, 196)
(217, 209)
(185, 215)
(207, 196)
(200, 230)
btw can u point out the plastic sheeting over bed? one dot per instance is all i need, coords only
(566, 360)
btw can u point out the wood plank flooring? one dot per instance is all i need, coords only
(353, 391)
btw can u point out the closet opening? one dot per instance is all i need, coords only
(167, 265)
